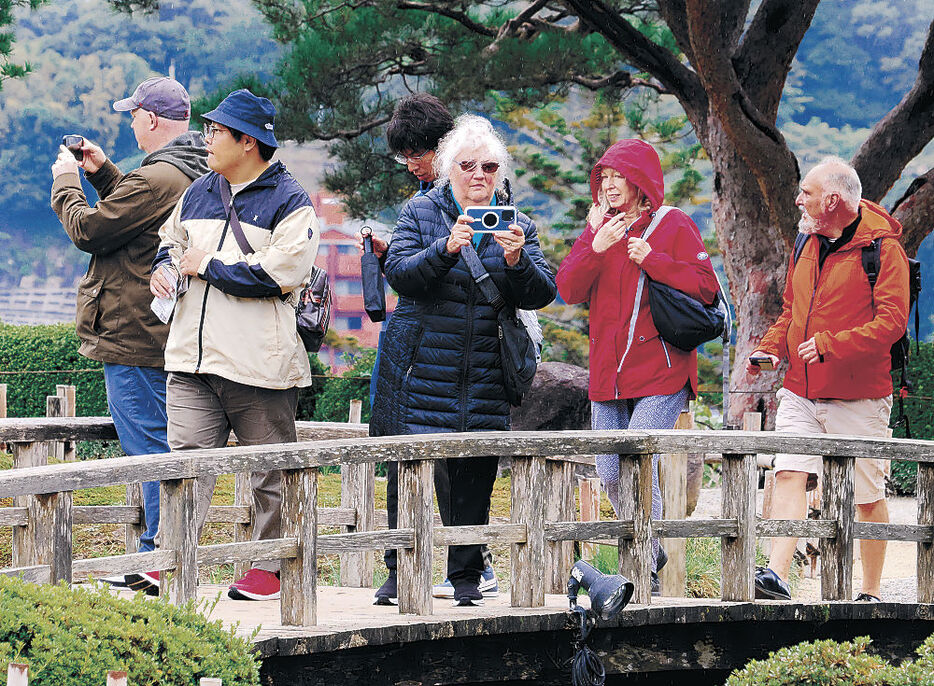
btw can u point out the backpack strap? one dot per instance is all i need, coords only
(800, 240)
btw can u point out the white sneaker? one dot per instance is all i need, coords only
(488, 586)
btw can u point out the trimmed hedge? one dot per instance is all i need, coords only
(72, 637)
(836, 664)
(44, 349)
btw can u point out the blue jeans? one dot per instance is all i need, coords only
(650, 412)
(136, 399)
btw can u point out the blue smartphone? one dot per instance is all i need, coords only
(491, 219)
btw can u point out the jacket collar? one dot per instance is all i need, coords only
(268, 178)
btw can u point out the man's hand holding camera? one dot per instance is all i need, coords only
(92, 158)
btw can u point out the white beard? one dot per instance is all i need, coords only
(808, 224)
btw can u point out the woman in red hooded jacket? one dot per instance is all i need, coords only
(637, 380)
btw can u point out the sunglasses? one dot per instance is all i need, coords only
(485, 167)
(405, 159)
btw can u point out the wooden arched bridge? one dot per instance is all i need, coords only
(318, 634)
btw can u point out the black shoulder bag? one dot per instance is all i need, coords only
(516, 350)
(313, 311)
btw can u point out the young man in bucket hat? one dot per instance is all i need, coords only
(114, 321)
(234, 358)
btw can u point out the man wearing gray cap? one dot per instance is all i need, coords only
(114, 320)
(245, 238)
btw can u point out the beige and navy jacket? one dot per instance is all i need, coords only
(237, 319)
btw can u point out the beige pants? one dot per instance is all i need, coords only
(865, 417)
(203, 408)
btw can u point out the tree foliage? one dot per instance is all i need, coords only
(10, 69)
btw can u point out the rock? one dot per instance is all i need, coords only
(556, 401)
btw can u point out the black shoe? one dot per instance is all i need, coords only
(867, 598)
(770, 586)
(387, 593)
(661, 559)
(467, 593)
(656, 584)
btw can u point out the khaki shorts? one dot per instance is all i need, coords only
(866, 417)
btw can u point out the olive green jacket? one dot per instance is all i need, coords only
(114, 320)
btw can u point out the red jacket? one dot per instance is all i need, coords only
(835, 306)
(608, 281)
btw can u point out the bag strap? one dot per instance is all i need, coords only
(234, 221)
(656, 220)
(482, 277)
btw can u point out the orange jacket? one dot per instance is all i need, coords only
(835, 305)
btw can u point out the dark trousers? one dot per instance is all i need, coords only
(463, 488)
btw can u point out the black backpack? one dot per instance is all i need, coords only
(901, 349)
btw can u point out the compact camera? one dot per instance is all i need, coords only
(491, 219)
(74, 143)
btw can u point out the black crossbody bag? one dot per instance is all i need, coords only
(313, 311)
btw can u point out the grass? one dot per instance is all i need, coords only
(97, 540)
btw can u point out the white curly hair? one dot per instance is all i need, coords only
(471, 131)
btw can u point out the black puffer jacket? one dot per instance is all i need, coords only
(439, 368)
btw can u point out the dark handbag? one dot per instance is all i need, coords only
(681, 320)
(313, 311)
(516, 350)
(371, 273)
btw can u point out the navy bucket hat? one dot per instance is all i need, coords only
(247, 113)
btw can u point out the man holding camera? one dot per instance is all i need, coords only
(114, 320)
(836, 331)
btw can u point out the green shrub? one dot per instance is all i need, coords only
(821, 662)
(332, 404)
(47, 348)
(72, 637)
(904, 477)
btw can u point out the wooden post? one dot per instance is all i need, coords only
(559, 507)
(528, 507)
(738, 555)
(635, 504)
(589, 490)
(3, 388)
(55, 407)
(416, 480)
(26, 455)
(207, 681)
(673, 480)
(116, 679)
(67, 392)
(50, 526)
(299, 574)
(243, 496)
(17, 675)
(178, 531)
(925, 494)
(358, 492)
(134, 498)
(838, 506)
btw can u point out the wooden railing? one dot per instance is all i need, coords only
(43, 515)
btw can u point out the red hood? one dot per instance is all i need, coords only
(638, 162)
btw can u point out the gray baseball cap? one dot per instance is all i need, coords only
(160, 95)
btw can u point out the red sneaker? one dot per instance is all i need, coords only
(257, 584)
(148, 582)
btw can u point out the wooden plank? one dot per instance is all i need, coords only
(491, 534)
(116, 678)
(50, 523)
(528, 508)
(356, 411)
(358, 494)
(3, 396)
(925, 495)
(635, 554)
(320, 431)
(559, 507)
(106, 514)
(178, 531)
(893, 532)
(299, 574)
(205, 681)
(229, 514)
(13, 516)
(607, 532)
(673, 480)
(243, 531)
(366, 540)
(797, 528)
(695, 528)
(589, 490)
(416, 481)
(25, 455)
(68, 392)
(838, 504)
(587, 531)
(133, 530)
(122, 564)
(246, 551)
(738, 554)
(55, 407)
(36, 574)
(17, 675)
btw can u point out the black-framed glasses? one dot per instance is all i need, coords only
(485, 167)
(405, 159)
(210, 130)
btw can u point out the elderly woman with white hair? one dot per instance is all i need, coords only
(440, 369)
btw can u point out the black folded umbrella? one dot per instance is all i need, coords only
(374, 292)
